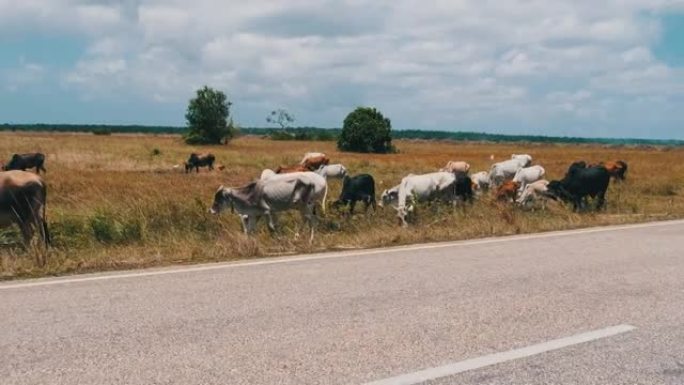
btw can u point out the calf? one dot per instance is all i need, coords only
(480, 181)
(26, 161)
(507, 191)
(357, 188)
(537, 191)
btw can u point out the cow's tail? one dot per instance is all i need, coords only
(372, 194)
(325, 196)
(46, 232)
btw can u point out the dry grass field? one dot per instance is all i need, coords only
(114, 204)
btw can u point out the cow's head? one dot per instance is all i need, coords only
(555, 189)
(222, 198)
(387, 197)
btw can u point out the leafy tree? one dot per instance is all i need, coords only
(280, 117)
(366, 130)
(208, 118)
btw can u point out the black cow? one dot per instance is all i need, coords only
(357, 188)
(581, 182)
(199, 160)
(25, 161)
(463, 187)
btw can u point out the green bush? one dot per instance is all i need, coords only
(366, 130)
(105, 228)
(207, 118)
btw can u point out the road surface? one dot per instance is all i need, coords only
(597, 306)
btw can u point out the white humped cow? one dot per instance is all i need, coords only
(528, 175)
(506, 170)
(266, 198)
(421, 188)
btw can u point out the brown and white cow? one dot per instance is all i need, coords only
(456, 166)
(22, 202)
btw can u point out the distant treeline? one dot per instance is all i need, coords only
(329, 134)
(102, 129)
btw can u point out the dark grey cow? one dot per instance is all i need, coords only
(199, 160)
(26, 161)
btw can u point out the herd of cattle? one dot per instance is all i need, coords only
(304, 187)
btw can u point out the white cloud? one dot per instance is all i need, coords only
(23, 75)
(439, 64)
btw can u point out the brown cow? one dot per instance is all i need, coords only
(289, 169)
(616, 169)
(23, 201)
(507, 191)
(315, 162)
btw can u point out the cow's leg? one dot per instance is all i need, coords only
(272, 221)
(601, 200)
(26, 227)
(309, 217)
(352, 203)
(244, 219)
(252, 221)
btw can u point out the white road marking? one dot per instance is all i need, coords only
(497, 358)
(327, 255)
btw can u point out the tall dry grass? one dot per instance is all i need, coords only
(116, 202)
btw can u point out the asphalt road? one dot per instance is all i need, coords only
(354, 318)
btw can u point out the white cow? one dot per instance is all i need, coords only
(528, 175)
(425, 187)
(535, 191)
(480, 181)
(319, 182)
(505, 170)
(527, 159)
(456, 166)
(266, 198)
(332, 171)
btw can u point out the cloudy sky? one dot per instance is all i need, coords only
(576, 67)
